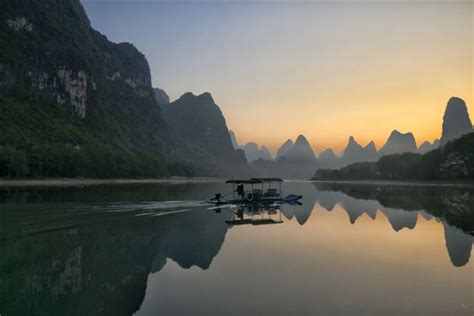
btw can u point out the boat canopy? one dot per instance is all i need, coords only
(255, 180)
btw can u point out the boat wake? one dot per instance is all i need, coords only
(74, 216)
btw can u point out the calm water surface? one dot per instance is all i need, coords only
(155, 249)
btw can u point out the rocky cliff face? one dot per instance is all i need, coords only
(200, 124)
(78, 88)
(456, 121)
(399, 143)
(53, 48)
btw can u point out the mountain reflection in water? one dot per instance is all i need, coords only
(109, 250)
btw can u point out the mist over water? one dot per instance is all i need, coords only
(155, 248)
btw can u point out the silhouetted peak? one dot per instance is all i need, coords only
(399, 142)
(396, 135)
(187, 96)
(354, 152)
(328, 151)
(425, 144)
(203, 97)
(199, 122)
(371, 146)
(327, 154)
(352, 142)
(456, 102)
(253, 152)
(287, 145)
(161, 96)
(301, 150)
(265, 153)
(352, 145)
(251, 145)
(189, 99)
(206, 96)
(301, 140)
(456, 121)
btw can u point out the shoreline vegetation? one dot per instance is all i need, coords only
(71, 182)
(469, 184)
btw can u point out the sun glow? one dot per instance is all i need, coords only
(325, 70)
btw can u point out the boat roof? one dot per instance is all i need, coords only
(254, 180)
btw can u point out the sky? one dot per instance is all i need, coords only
(327, 70)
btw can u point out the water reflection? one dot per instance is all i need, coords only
(91, 250)
(254, 214)
(453, 207)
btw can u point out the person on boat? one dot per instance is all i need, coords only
(240, 190)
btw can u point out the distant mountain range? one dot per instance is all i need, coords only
(293, 160)
(299, 154)
(252, 151)
(453, 161)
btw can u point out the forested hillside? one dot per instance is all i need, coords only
(74, 104)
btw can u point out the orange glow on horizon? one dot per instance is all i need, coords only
(424, 123)
(361, 82)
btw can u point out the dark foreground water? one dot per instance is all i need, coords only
(156, 250)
